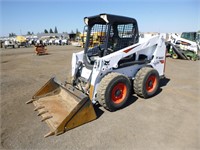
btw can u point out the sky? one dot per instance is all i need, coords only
(167, 16)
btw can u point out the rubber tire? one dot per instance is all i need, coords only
(189, 58)
(104, 91)
(174, 56)
(141, 78)
(193, 59)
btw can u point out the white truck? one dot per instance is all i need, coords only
(10, 44)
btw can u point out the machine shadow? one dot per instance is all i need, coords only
(130, 101)
(99, 111)
(163, 82)
(43, 54)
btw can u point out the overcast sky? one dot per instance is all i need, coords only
(21, 16)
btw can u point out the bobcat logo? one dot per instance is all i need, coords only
(106, 63)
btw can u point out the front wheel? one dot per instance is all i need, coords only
(114, 91)
(146, 82)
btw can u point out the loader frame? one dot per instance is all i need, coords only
(111, 63)
(127, 60)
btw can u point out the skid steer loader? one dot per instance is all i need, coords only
(103, 74)
(184, 47)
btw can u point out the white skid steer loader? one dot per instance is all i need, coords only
(104, 74)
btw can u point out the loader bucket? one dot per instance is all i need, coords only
(62, 107)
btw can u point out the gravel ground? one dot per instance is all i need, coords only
(168, 121)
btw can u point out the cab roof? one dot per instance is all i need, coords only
(108, 19)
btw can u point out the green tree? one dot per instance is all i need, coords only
(28, 33)
(12, 34)
(72, 32)
(45, 31)
(50, 31)
(55, 30)
(77, 33)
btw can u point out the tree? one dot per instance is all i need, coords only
(12, 34)
(28, 33)
(50, 31)
(56, 30)
(45, 31)
(72, 32)
(77, 33)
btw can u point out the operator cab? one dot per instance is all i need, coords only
(107, 34)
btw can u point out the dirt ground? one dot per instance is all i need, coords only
(168, 121)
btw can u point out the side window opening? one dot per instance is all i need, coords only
(97, 35)
(99, 45)
(96, 41)
(121, 36)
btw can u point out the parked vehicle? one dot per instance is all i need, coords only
(103, 74)
(10, 43)
(185, 46)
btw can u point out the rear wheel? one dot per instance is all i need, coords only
(146, 82)
(193, 58)
(114, 91)
(174, 56)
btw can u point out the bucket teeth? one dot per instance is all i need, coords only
(47, 117)
(49, 134)
(62, 107)
(42, 112)
(39, 107)
(30, 101)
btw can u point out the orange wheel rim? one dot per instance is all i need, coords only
(151, 83)
(118, 93)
